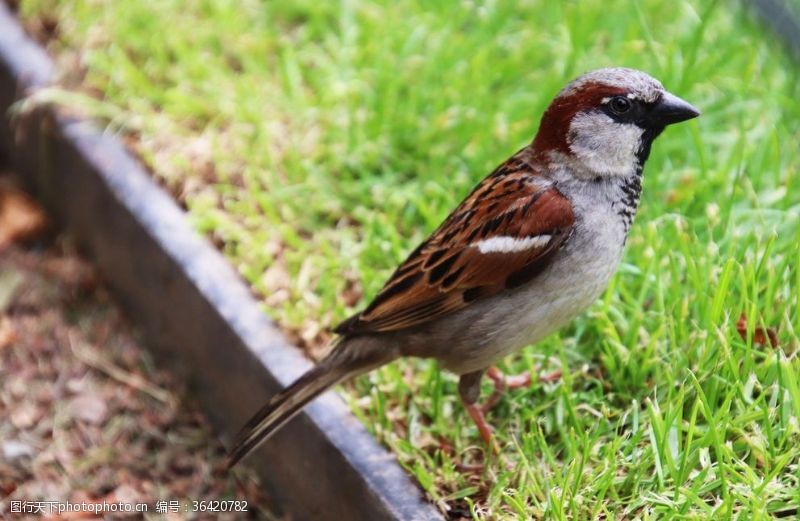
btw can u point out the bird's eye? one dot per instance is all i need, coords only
(620, 104)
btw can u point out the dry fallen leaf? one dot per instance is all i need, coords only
(25, 415)
(760, 334)
(21, 218)
(10, 281)
(71, 271)
(7, 488)
(13, 449)
(7, 333)
(90, 408)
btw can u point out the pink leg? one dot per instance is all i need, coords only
(503, 382)
(476, 413)
(469, 388)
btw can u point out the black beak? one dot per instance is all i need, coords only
(671, 109)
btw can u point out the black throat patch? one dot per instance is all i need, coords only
(631, 191)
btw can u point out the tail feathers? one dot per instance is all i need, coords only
(283, 407)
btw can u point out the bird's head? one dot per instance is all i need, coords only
(603, 123)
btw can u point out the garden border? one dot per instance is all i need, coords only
(195, 311)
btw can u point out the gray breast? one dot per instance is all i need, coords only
(497, 326)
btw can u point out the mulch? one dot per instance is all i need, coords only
(85, 414)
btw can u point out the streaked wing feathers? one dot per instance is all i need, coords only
(500, 237)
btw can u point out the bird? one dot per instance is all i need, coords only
(530, 248)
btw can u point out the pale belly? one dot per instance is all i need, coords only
(491, 329)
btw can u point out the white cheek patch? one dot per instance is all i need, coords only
(511, 244)
(603, 145)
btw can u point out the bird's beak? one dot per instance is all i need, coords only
(671, 109)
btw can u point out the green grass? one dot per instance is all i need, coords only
(318, 142)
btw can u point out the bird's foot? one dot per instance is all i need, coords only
(503, 382)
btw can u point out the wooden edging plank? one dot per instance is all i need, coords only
(195, 311)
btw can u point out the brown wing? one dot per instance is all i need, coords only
(500, 237)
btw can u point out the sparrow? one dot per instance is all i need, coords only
(532, 246)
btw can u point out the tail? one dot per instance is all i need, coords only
(343, 363)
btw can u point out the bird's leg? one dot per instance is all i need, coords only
(503, 382)
(469, 389)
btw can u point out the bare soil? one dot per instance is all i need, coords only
(85, 414)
